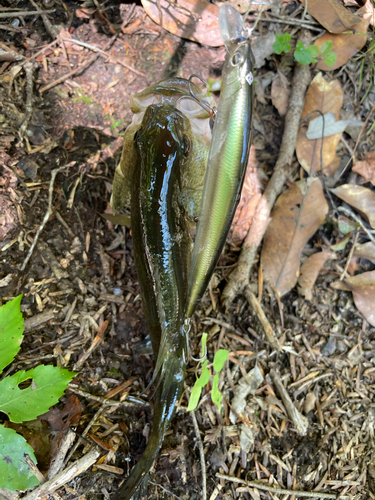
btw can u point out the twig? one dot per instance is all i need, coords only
(201, 454)
(253, 301)
(294, 22)
(24, 13)
(351, 214)
(356, 234)
(65, 476)
(29, 70)
(300, 422)
(240, 276)
(51, 29)
(46, 217)
(106, 401)
(276, 491)
(164, 489)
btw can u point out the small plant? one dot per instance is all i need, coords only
(303, 54)
(281, 44)
(23, 396)
(219, 359)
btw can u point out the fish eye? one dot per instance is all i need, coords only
(237, 59)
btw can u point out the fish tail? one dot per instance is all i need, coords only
(169, 389)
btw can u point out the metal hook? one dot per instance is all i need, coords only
(204, 104)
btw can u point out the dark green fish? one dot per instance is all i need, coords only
(162, 250)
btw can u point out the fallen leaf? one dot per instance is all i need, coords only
(297, 214)
(310, 271)
(345, 46)
(368, 9)
(250, 197)
(327, 98)
(196, 20)
(332, 15)
(363, 288)
(341, 244)
(366, 168)
(280, 91)
(359, 197)
(365, 251)
(331, 126)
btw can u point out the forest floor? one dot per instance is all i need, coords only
(81, 297)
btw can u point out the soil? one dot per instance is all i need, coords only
(82, 273)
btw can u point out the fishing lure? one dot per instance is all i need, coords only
(228, 156)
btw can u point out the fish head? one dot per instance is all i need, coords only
(164, 131)
(239, 65)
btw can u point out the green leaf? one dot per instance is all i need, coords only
(220, 358)
(194, 397)
(302, 54)
(326, 47)
(11, 331)
(281, 44)
(15, 474)
(205, 376)
(216, 394)
(204, 342)
(47, 384)
(330, 59)
(314, 50)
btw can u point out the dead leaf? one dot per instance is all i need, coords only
(332, 15)
(196, 20)
(345, 46)
(310, 271)
(363, 289)
(366, 168)
(250, 197)
(368, 9)
(359, 197)
(280, 91)
(331, 126)
(297, 214)
(327, 98)
(365, 251)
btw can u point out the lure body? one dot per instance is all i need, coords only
(228, 156)
(162, 250)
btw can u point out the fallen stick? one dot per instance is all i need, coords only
(239, 278)
(64, 477)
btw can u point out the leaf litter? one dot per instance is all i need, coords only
(326, 364)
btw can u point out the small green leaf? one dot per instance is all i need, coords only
(220, 358)
(281, 44)
(215, 393)
(11, 331)
(48, 383)
(330, 59)
(204, 342)
(314, 50)
(205, 376)
(302, 54)
(15, 474)
(326, 47)
(195, 394)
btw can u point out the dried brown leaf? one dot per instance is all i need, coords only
(345, 46)
(365, 251)
(327, 98)
(297, 214)
(359, 197)
(366, 168)
(196, 20)
(310, 271)
(332, 15)
(363, 289)
(280, 95)
(250, 197)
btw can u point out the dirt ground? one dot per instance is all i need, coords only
(81, 295)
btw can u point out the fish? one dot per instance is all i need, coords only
(164, 92)
(228, 155)
(162, 251)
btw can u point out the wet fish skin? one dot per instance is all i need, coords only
(162, 249)
(226, 167)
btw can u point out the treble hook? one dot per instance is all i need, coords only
(201, 102)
